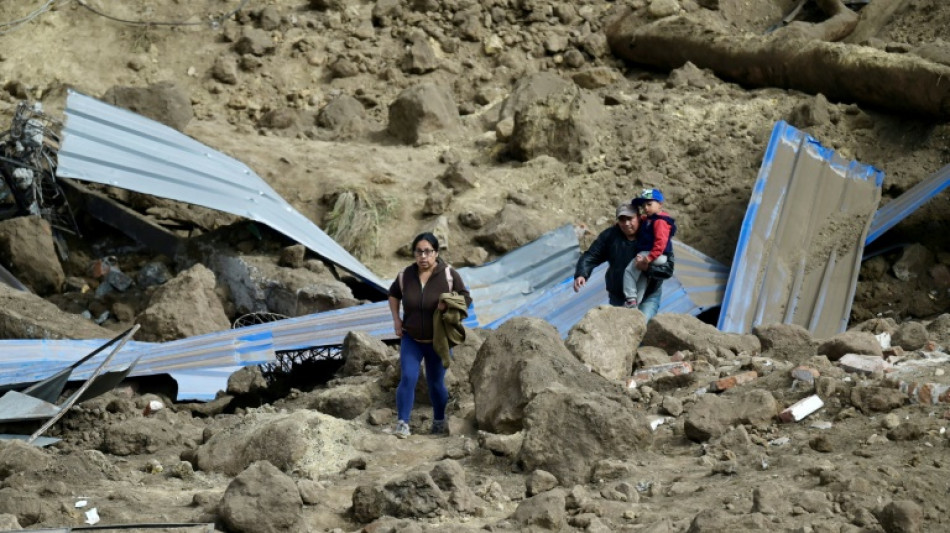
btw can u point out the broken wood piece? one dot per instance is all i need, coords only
(801, 409)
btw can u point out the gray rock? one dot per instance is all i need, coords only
(596, 77)
(911, 336)
(347, 401)
(306, 442)
(362, 351)
(857, 342)
(877, 399)
(28, 252)
(344, 115)
(9, 522)
(901, 516)
(568, 430)
(262, 499)
(166, 318)
(18, 456)
(255, 41)
(135, 436)
(278, 119)
(118, 279)
(675, 332)
(24, 315)
(914, 262)
(540, 481)
(939, 330)
(648, 356)
(153, 273)
(293, 256)
(789, 342)
(225, 69)
(719, 520)
(672, 405)
(503, 445)
(811, 113)
(449, 476)
(247, 380)
(385, 11)
(327, 5)
(438, 198)
(521, 358)
(711, 416)
(165, 102)
(552, 116)
(420, 57)
(545, 511)
(459, 177)
(344, 67)
(269, 18)
(513, 227)
(414, 495)
(606, 339)
(27, 507)
(420, 111)
(663, 8)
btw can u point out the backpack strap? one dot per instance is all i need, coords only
(401, 272)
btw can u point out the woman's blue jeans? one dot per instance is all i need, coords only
(411, 355)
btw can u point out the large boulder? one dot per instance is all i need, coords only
(27, 316)
(362, 352)
(552, 116)
(138, 435)
(513, 227)
(711, 416)
(568, 431)
(417, 494)
(517, 361)
(184, 307)
(262, 499)
(306, 442)
(165, 102)
(606, 339)
(18, 456)
(345, 116)
(28, 252)
(420, 111)
(857, 342)
(789, 342)
(545, 511)
(674, 332)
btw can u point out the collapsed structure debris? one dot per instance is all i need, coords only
(28, 167)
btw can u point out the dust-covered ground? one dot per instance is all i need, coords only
(303, 94)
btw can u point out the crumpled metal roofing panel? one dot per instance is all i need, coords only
(531, 269)
(802, 238)
(697, 284)
(105, 144)
(899, 208)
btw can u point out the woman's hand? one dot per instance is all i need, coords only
(442, 306)
(397, 326)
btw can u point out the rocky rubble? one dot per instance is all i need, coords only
(558, 446)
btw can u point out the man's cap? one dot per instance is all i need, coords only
(646, 195)
(626, 210)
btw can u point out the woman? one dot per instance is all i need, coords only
(418, 287)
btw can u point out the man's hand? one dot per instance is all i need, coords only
(642, 262)
(579, 282)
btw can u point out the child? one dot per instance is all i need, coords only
(653, 244)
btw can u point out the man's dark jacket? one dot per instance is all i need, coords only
(613, 247)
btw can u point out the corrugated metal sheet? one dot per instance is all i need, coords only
(523, 273)
(802, 237)
(697, 285)
(899, 208)
(105, 144)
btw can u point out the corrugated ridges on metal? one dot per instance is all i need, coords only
(105, 144)
(530, 269)
(899, 208)
(801, 240)
(697, 284)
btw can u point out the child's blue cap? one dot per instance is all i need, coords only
(646, 195)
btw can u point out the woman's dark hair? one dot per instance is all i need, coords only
(429, 238)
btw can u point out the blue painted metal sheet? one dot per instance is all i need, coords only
(899, 208)
(697, 285)
(802, 237)
(112, 146)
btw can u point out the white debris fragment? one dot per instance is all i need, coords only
(92, 516)
(801, 409)
(884, 339)
(81, 503)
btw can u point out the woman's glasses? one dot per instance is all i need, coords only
(424, 253)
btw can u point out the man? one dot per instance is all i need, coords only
(617, 245)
